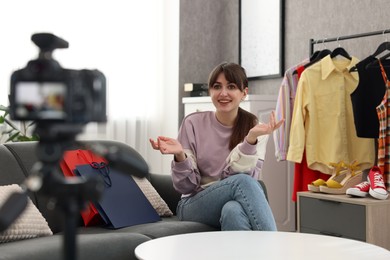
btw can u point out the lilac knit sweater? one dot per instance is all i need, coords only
(206, 144)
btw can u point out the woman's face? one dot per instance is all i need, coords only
(226, 96)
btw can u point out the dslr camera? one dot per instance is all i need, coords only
(61, 101)
(43, 91)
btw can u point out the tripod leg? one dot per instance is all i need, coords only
(71, 209)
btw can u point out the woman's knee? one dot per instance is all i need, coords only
(233, 217)
(248, 185)
(247, 180)
(231, 207)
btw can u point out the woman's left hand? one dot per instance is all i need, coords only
(263, 128)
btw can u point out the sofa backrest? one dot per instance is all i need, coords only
(10, 170)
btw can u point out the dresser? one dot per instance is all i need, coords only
(278, 176)
(365, 219)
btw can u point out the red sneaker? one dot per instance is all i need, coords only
(360, 190)
(378, 188)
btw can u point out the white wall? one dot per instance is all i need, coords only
(134, 43)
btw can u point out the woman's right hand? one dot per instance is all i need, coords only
(168, 145)
(263, 128)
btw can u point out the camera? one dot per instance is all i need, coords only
(43, 91)
(61, 101)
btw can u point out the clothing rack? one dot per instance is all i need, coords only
(347, 37)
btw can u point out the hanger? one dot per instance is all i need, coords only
(384, 57)
(375, 62)
(353, 69)
(321, 54)
(316, 56)
(384, 46)
(340, 51)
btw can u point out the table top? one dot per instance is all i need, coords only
(249, 245)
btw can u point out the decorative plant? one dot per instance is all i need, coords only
(14, 133)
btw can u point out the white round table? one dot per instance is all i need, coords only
(248, 245)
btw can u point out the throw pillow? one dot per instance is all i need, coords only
(154, 198)
(29, 224)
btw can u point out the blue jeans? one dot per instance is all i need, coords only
(235, 203)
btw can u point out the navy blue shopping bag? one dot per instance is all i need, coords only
(123, 203)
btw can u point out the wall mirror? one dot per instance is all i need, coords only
(261, 35)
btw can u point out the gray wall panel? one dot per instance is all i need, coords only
(209, 34)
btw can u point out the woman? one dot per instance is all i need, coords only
(215, 165)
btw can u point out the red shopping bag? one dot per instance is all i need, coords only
(71, 159)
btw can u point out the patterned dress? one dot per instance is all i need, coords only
(383, 110)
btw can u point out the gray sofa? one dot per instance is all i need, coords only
(16, 160)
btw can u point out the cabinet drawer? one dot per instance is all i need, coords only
(329, 217)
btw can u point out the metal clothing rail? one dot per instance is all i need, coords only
(347, 37)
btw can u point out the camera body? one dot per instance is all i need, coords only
(43, 91)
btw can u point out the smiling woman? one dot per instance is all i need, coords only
(127, 40)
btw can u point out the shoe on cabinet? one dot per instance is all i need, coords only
(349, 181)
(338, 173)
(315, 185)
(378, 188)
(352, 177)
(360, 190)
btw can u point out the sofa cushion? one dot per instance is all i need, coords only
(29, 224)
(154, 198)
(100, 246)
(168, 226)
(164, 186)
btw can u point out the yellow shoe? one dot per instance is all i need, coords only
(352, 177)
(338, 168)
(315, 185)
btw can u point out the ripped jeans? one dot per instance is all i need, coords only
(235, 203)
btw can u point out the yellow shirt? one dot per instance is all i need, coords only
(322, 122)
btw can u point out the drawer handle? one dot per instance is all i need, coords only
(330, 201)
(330, 234)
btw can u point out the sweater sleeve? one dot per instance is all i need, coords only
(185, 174)
(243, 159)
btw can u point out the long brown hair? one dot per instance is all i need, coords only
(245, 120)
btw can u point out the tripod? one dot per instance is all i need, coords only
(71, 194)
